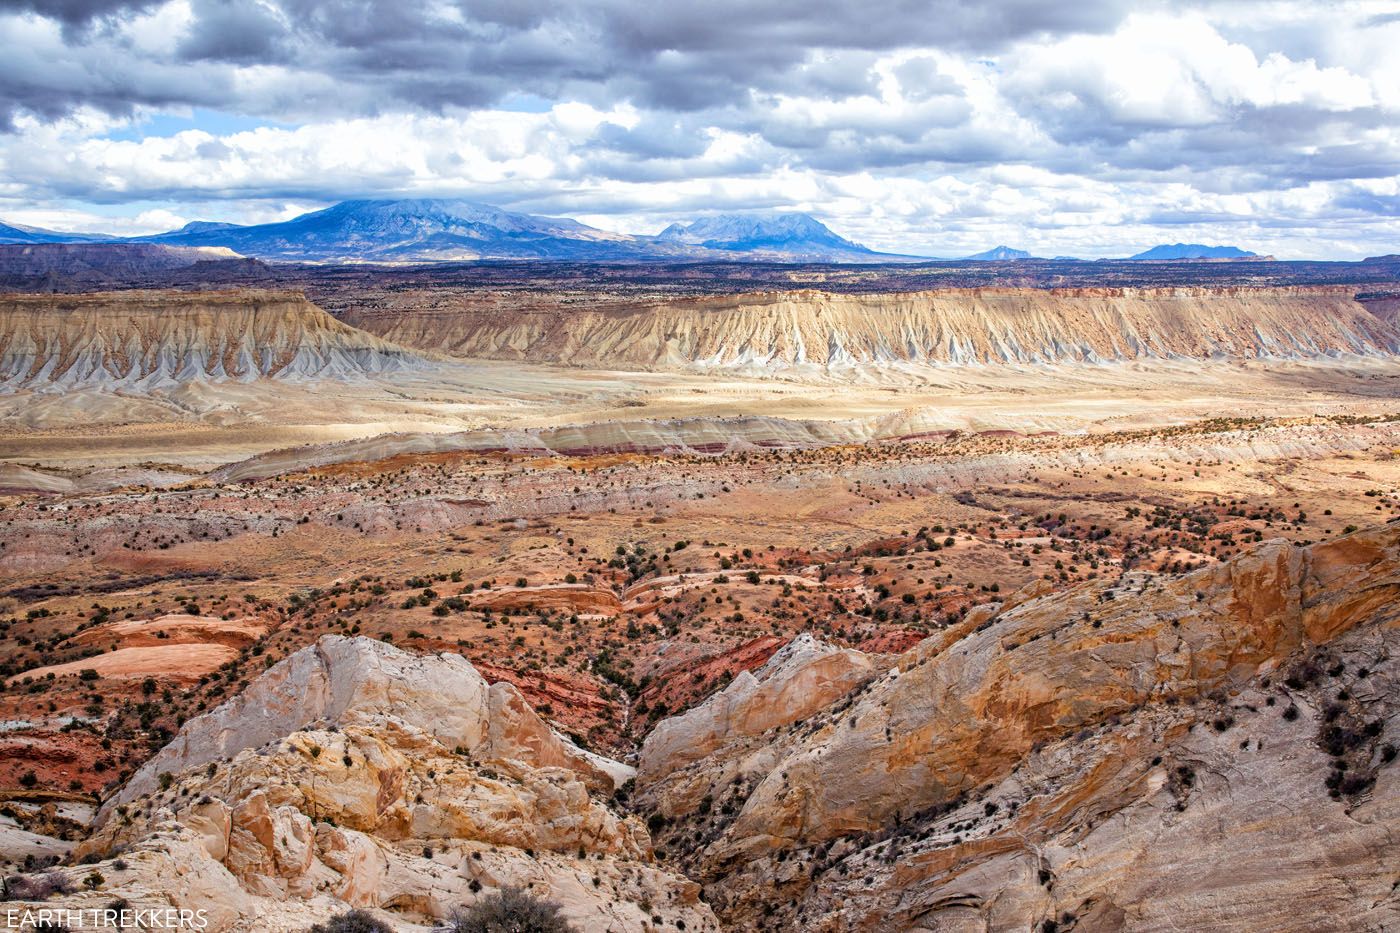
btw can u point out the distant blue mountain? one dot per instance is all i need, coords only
(414, 230)
(1000, 254)
(430, 229)
(778, 236)
(420, 230)
(1194, 251)
(18, 233)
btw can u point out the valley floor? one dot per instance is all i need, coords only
(201, 425)
(937, 648)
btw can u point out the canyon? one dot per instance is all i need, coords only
(701, 607)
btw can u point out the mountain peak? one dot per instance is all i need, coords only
(383, 230)
(735, 225)
(1193, 251)
(1000, 254)
(23, 234)
(790, 235)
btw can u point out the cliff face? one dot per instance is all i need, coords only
(952, 327)
(150, 339)
(1095, 757)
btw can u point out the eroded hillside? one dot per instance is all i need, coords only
(814, 329)
(160, 339)
(354, 774)
(1086, 760)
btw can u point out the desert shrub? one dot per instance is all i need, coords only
(354, 921)
(37, 887)
(510, 910)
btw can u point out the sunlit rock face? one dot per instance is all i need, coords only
(1090, 757)
(354, 774)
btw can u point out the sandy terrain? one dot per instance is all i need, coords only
(87, 427)
(175, 661)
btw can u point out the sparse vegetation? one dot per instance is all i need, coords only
(510, 910)
(354, 921)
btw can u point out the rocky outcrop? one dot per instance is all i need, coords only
(355, 774)
(358, 681)
(148, 339)
(1084, 758)
(805, 676)
(833, 332)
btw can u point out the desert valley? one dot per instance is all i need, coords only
(1025, 595)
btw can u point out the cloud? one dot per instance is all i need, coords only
(240, 31)
(942, 122)
(74, 14)
(434, 54)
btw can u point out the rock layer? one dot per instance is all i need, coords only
(834, 332)
(150, 340)
(350, 680)
(355, 774)
(1086, 757)
(802, 678)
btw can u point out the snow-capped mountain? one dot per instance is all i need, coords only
(779, 236)
(429, 229)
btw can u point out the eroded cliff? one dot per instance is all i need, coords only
(820, 330)
(142, 339)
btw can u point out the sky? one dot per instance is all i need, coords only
(937, 127)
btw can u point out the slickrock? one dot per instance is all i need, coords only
(805, 676)
(1089, 759)
(355, 774)
(359, 681)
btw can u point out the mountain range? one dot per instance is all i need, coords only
(425, 230)
(999, 254)
(1193, 251)
(437, 229)
(781, 236)
(11, 234)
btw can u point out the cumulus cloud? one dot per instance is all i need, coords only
(927, 126)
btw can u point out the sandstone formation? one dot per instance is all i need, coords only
(355, 774)
(819, 331)
(353, 680)
(1090, 759)
(801, 679)
(148, 340)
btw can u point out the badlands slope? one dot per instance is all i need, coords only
(1079, 758)
(206, 378)
(160, 339)
(1088, 760)
(834, 332)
